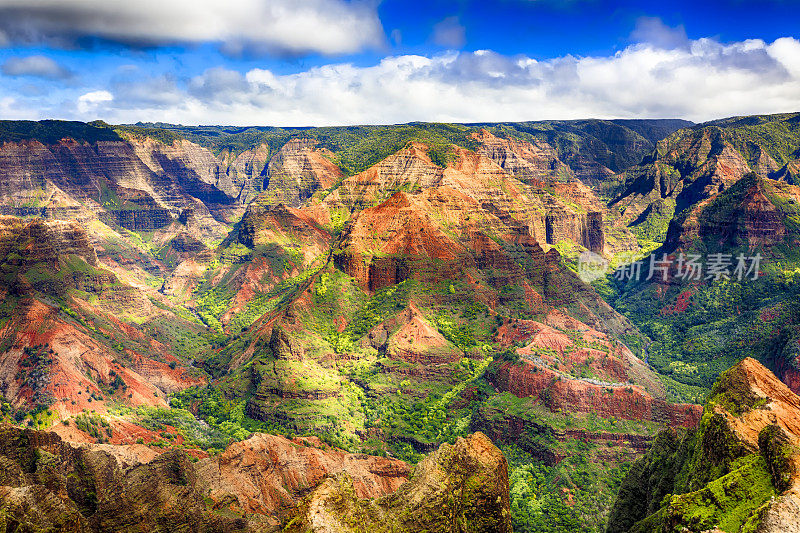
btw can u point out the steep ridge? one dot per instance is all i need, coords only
(253, 486)
(595, 150)
(485, 181)
(695, 164)
(259, 484)
(411, 338)
(247, 168)
(64, 346)
(409, 170)
(554, 366)
(536, 163)
(298, 170)
(716, 191)
(737, 472)
(464, 485)
(756, 213)
(141, 184)
(527, 161)
(476, 199)
(410, 236)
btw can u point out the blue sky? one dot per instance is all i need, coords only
(320, 62)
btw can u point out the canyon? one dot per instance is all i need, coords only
(315, 329)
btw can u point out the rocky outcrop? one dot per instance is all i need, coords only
(694, 166)
(52, 360)
(533, 162)
(282, 374)
(284, 226)
(296, 171)
(543, 442)
(738, 470)
(463, 486)
(607, 399)
(568, 366)
(31, 241)
(755, 212)
(95, 493)
(409, 170)
(411, 338)
(268, 474)
(138, 184)
(246, 169)
(260, 484)
(283, 346)
(568, 345)
(254, 485)
(586, 229)
(391, 241)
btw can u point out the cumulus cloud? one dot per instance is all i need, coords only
(449, 33)
(292, 27)
(700, 81)
(36, 66)
(218, 84)
(12, 109)
(149, 92)
(652, 30)
(91, 102)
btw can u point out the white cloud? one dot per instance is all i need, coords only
(36, 66)
(787, 52)
(449, 33)
(12, 109)
(700, 81)
(652, 30)
(397, 37)
(277, 26)
(89, 103)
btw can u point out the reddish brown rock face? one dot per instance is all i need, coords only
(425, 502)
(556, 353)
(558, 393)
(296, 171)
(138, 184)
(52, 354)
(259, 481)
(409, 169)
(535, 163)
(269, 474)
(36, 240)
(385, 244)
(692, 168)
(78, 366)
(755, 222)
(282, 225)
(410, 337)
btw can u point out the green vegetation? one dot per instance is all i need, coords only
(52, 131)
(355, 148)
(157, 134)
(95, 425)
(651, 227)
(384, 304)
(225, 421)
(572, 496)
(616, 144)
(730, 502)
(705, 478)
(700, 330)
